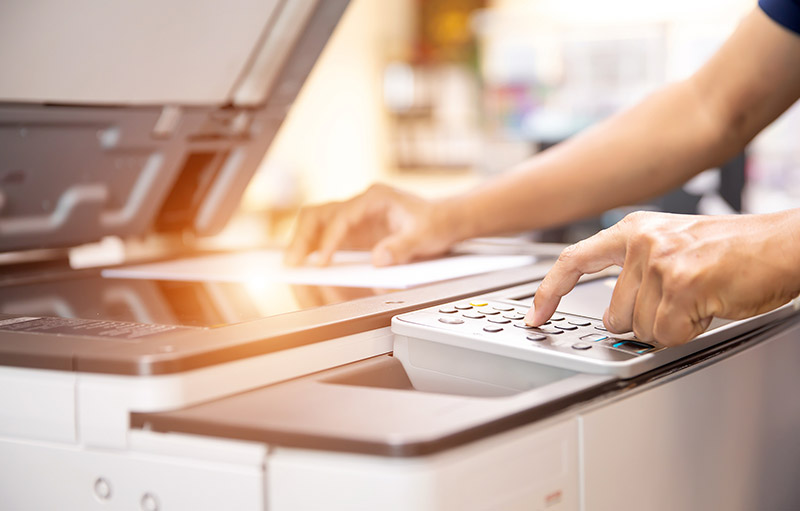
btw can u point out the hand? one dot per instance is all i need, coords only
(397, 226)
(680, 271)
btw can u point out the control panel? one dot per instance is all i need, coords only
(567, 341)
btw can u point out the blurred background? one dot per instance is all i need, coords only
(434, 96)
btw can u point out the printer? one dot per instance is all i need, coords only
(145, 121)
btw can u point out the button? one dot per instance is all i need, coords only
(473, 315)
(523, 312)
(557, 318)
(479, 303)
(601, 327)
(503, 308)
(463, 306)
(549, 331)
(448, 310)
(536, 337)
(581, 346)
(594, 337)
(580, 322)
(523, 326)
(567, 327)
(515, 317)
(500, 321)
(489, 312)
(637, 346)
(492, 329)
(451, 321)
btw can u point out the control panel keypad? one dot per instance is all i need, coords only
(563, 332)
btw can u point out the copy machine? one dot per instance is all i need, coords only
(145, 121)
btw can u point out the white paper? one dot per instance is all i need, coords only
(351, 269)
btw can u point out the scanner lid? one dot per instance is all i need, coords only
(131, 118)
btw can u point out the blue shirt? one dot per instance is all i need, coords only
(785, 12)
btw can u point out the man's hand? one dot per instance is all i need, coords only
(680, 271)
(395, 225)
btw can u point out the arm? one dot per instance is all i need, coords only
(678, 272)
(674, 134)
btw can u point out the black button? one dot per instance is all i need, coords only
(580, 322)
(515, 317)
(567, 327)
(536, 337)
(492, 329)
(549, 331)
(489, 312)
(581, 346)
(451, 320)
(473, 315)
(463, 306)
(523, 326)
(501, 321)
(448, 310)
(503, 308)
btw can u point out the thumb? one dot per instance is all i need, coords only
(397, 248)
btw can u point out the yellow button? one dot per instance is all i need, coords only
(479, 304)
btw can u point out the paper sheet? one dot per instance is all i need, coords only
(350, 269)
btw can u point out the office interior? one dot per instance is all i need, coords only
(156, 354)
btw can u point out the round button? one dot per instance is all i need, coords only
(489, 312)
(567, 327)
(479, 303)
(523, 326)
(473, 315)
(536, 337)
(503, 308)
(500, 321)
(149, 502)
(492, 329)
(463, 306)
(581, 346)
(549, 331)
(448, 310)
(515, 317)
(580, 322)
(451, 321)
(102, 488)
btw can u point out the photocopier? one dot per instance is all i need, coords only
(145, 121)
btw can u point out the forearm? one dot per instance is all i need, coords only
(681, 130)
(635, 155)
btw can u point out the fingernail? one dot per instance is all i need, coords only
(529, 317)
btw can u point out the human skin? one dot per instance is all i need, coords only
(685, 128)
(680, 271)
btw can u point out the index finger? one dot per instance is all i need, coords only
(604, 249)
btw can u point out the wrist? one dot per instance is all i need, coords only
(455, 220)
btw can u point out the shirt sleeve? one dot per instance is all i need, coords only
(784, 12)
